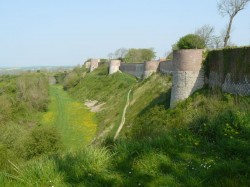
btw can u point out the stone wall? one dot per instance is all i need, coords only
(150, 67)
(135, 69)
(188, 75)
(166, 67)
(94, 63)
(114, 66)
(229, 70)
(87, 64)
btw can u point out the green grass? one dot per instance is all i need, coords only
(203, 141)
(76, 124)
(109, 89)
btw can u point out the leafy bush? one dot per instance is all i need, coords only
(32, 89)
(139, 55)
(71, 80)
(41, 140)
(191, 41)
(60, 77)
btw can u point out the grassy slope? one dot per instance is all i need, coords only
(109, 89)
(204, 141)
(74, 121)
(147, 94)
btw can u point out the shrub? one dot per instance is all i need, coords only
(5, 109)
(191, 41)
(33, 90)
(41, 140)
(70, 80)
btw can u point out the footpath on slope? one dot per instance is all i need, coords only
(75, 122)
(123, 116)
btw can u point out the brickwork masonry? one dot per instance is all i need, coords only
(188, 75)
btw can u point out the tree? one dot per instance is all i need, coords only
(191, 41)
(120, 53)
(217, 42)
(139, 55)
(230, 8)
(110, 55)
(206, 32)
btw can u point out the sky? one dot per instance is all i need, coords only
(68, 32)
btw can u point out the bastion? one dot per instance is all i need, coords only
(188, 74)
(94, 63)
(87, 65)
(150, 67)
(114, 66)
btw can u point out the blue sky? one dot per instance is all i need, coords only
(67, 32)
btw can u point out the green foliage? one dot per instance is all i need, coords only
(88, 167)
(191, 41)
(139, 55)
(110, 90)
(71, 80)
(41, 140)
(32, 89)
(203, 141)
(3, 156)
(60, 77)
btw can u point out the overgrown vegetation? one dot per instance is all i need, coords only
(191, 41)
(108, 90)
(233, 60)
(204, 141)
(22, 100)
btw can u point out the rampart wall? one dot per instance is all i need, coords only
(135, 69)
(166, 67)
(229, 70)
(150, 67)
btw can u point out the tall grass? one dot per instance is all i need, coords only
(204, 141)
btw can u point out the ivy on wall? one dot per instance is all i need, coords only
(235, 61)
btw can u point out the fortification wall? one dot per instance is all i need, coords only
(114, 66)
(229, 70)
(166, 67)
(188, 75)
(94, 63)
(141, 70)
(87, 65)
(135, 69)
(150, 67)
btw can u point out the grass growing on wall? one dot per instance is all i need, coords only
(229, 60)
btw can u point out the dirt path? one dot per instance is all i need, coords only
(123, 116)
(74, 121)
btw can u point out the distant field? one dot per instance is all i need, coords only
(19, 70)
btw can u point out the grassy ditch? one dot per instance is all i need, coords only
(76, 124)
